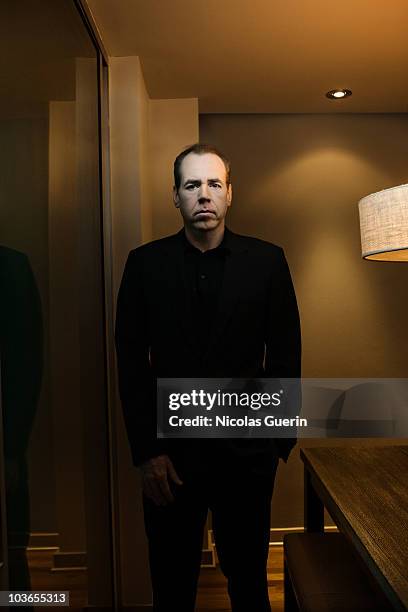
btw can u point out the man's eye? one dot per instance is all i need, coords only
(218, 185)
(191, 187)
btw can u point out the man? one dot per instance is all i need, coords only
(204, 303)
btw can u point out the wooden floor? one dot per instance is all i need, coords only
(211, 597)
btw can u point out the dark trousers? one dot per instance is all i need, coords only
(240, 501)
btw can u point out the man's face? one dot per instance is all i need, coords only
(203, 196)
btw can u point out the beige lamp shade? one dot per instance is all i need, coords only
(384, 224)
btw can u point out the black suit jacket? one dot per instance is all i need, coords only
(155, 334)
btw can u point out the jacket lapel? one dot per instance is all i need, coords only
(177, 292)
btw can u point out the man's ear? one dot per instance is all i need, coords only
(229, 194)
(176, 198)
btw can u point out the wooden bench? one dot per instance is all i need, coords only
(322, 573)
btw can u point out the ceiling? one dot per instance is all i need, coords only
(265, 56)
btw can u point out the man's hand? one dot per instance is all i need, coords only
(155, 478)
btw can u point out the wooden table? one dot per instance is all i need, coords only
(365, 491)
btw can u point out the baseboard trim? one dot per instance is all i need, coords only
(275, 535)
(208, 557)
(43, 540)
(69, 560)
(142, 608)
(73, 568)
(139, 608)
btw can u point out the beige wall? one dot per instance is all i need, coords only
(128, 121)
(297, 180)
(145, 136)
(64, 333)
(173, 127)
(128, 118)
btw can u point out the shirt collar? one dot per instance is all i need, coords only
(223, 248)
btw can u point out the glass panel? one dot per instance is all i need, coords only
(51, 305)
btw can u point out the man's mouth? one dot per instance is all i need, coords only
(205, 212)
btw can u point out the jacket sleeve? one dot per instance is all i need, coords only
(283, 344)
(137, 385)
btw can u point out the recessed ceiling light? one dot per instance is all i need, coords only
(337, 94)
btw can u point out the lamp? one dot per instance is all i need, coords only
(384, 224)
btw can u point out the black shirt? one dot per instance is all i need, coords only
(204, 272)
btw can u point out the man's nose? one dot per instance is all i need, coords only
(203, 193)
